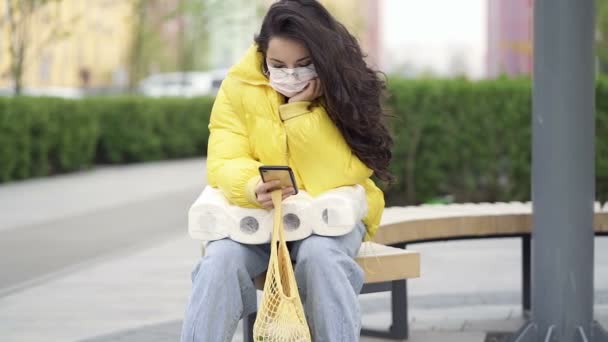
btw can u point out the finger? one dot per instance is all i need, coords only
(265, 197)
(314, 85)
(268, 205)
(319, 90)
(260, 189)
(288, 191)
(310, 88)
(317, 86)
(265, 187)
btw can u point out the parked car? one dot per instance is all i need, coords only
(182, 83)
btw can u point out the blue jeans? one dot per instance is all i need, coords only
(329, 281)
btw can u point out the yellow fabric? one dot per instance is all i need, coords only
(247, 130)
(292, 110)
(250, 189)
(281, 316)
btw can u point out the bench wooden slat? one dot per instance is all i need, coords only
(380, 264)
(383, 263)
(430, 222)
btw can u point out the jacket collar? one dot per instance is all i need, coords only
(249, 68)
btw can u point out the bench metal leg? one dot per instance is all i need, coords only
(248, 327)
(399, 327)
(526, 261)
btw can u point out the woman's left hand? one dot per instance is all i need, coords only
(312, 91)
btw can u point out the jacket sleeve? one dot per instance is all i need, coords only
(230, 164)
(318, 149)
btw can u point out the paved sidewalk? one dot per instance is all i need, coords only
(141, 297)
(138, 293)
(45, 199)
(51, 226)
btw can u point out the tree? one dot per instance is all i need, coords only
(194, 20)
(19, 15)
(136, 52)
(149, 47)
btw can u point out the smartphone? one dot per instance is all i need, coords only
(284, 174)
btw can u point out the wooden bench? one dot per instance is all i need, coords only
(386, 269)
(402, 226)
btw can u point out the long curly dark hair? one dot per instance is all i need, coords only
(353, 92)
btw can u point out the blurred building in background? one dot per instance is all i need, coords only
(94, 45)
(69, 44)
(232, 30)
(372, 37)
(510, 24)
(363, 19)
(434, 38)
(234, 27)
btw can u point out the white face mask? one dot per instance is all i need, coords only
(290, 82)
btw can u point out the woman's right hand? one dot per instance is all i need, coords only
(263, 193)
(312, 91)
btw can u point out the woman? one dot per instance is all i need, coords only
(302, 96)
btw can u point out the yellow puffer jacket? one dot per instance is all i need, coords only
(252, 126)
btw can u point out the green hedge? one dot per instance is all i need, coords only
(456, 140)
(470, 141)
(45, 136)
(142, 129)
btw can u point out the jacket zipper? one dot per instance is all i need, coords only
(278, 104)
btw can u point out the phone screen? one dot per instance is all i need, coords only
(284, 174)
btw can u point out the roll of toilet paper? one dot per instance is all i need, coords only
(296, 216)
(337, 211)
(208, 215)
(333, 213)
(250, 226)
